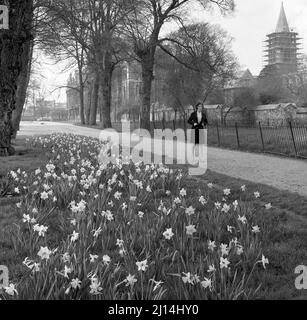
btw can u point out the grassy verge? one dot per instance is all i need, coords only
(285, 224)
(287, 240)
(26, 158)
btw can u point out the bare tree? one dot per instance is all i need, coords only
(296, 84)
(93, 24)
(27, 65)
(22, 85)
(271, 88)
(106, 47)
(143, 27)
(12, 46)
(27, 58)
(63, 36)
(203, 62)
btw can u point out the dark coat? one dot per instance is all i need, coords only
(193, 121)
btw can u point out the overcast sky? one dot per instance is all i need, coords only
(249, 25)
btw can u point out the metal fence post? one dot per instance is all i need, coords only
(261, 135)
(218, 134)
(237, 133)
(293, 138)
(185, 127)
(163, 122)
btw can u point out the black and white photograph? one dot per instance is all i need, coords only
(153, 153)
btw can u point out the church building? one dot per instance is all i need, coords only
(282, 48)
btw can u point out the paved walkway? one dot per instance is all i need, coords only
(284, 174)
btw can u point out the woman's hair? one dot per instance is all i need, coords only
(198, 104)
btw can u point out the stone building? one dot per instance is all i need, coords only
(126, 90)
(219, 113)
(213, 112)
(72, 96)
(244, 80)
(282, 49)
(301, 116)
(274, 114)
(126, 86)
(282, 59)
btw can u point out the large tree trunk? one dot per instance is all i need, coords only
(100, 108)
(106, 79)
(23, 83)
(11, 52)
(89, 103)
(94, 105)
(107, 100)
(147, 63)
(81, 94)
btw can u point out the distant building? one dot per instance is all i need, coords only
(274, 114)
(72, 96)
(244, 80)
(282, 48)
(126, 86)
(126, 91)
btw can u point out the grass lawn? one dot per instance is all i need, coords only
(285, 243)
(25, 158)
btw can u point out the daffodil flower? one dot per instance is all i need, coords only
(11, 290)
(142, 265)
(168, 234)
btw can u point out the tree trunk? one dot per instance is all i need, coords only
(11, 52)
(89, 103)
(100, 106)
(81, 111)
(106, 79)
(147, 64)
(94, 104)
(107, 100)
(22, 87)
(81, 94)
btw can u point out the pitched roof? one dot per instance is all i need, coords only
(282, 24)
(212, 106)
(247, 75)
(272, 107)
(265, 107)
(206, 107)
(302, 110)
(234, 109)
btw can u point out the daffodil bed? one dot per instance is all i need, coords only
(130, 231)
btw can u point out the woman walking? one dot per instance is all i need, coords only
(198, 121)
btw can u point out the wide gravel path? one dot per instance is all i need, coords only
(282, 173)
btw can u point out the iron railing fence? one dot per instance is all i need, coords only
(289, 139)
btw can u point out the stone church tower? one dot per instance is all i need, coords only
(282, 48)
